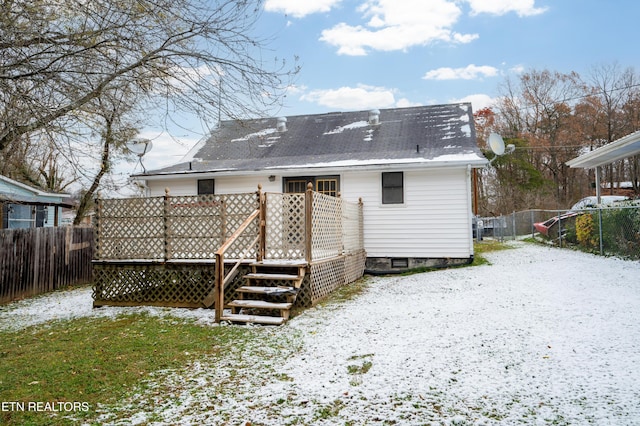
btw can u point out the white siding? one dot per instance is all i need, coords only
(235, 185)
(434, 221)
(176, 187)
(223, 185)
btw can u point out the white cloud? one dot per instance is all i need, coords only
(405, 103)
(518, 69)
(294, 89)
(398, 25)
(300, 8)
(502, 7)
(352, 98)
(478, 101)
(470, 72)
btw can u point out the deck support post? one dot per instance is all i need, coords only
(219, 287)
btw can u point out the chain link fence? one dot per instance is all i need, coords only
(609, 231)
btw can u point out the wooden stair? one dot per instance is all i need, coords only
(267, 304)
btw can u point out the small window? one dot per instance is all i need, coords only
(393, 188)
(295, 186)
(21, 216)
(327, 186)
(206, 186)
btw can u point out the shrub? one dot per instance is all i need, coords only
(621, 231)
(585, 231)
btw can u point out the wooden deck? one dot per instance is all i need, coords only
(277, 251)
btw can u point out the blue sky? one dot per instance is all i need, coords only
(361, 54)
(358, 54)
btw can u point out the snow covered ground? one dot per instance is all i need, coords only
(540, 336)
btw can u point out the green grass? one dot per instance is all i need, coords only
(480, 248)
(360, 369)
(487, 246)
(104, 361)
(97, 361)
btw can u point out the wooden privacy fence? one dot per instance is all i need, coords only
(162, 250)
(39, 260)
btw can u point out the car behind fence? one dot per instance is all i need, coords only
(610, 231)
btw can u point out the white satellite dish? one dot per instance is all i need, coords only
(140, 147)
(496, 144)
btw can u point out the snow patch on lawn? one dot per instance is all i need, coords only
(76, 303)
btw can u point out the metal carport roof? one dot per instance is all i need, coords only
(622, 148)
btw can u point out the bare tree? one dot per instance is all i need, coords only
(64, 63)
(615, 88)
(538, 109)
(176, 51)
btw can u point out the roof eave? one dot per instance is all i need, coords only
(320, 169)
(622, 148)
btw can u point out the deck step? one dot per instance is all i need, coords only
(265, 276)
(266, 290)
(259, 304)
(257, 319)
(281, 264)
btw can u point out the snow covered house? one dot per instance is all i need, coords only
(410, 166)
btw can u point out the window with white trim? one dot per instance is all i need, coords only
(393, 188)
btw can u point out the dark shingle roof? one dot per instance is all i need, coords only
(444, 132)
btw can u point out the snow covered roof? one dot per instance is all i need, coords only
(424, 135)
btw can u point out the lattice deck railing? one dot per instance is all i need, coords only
(285, 220)
(171, 227)
(139, 239)
(309, 226)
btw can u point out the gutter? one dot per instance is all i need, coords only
(480, 163)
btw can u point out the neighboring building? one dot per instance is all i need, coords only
(411, 167)
(622, 148)
(23, 206)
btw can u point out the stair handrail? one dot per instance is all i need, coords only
(219, 271)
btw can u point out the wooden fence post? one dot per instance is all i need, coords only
(165, 216)
(223, 219)
(98, 224)
(262, 225)
(308, 212)
(37, 254)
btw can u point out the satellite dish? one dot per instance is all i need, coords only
(140, 146)
(496, 143)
